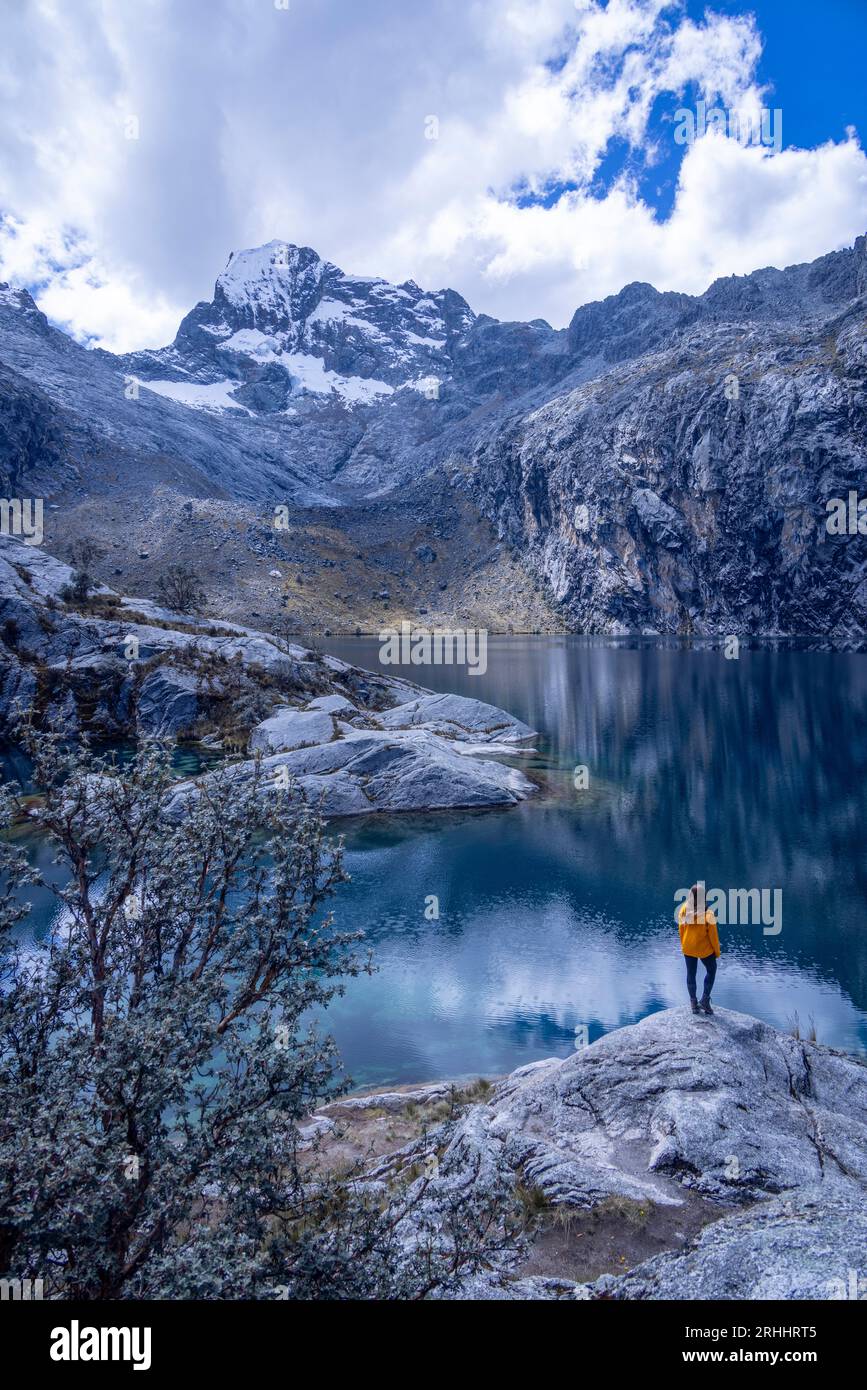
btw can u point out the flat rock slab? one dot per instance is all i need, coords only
(333, 704)
(459, 716)
(392, 1101)
(288, 729)
(371, 771)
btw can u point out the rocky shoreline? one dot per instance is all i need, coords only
(730, 1158)
(353, 741)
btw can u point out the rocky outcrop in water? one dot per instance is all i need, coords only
(358, 772)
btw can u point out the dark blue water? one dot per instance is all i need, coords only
(746, 773)
(559, 913)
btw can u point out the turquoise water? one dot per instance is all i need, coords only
(15, 768)
(558, 913)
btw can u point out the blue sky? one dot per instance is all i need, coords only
(814, 54)
(519, 151)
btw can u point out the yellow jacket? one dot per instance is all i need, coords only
(698, 938)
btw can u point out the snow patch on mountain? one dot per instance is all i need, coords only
(10, 296)
(334, 311)
(436, 343)
(215, 395)
(425, 385)
(312, 375)
(251, 342)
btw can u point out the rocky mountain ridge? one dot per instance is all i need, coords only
(662, 465)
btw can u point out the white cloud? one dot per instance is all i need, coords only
(309, 125)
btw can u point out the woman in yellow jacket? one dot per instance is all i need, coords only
(699, 941)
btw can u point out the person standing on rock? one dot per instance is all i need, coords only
(699, 941)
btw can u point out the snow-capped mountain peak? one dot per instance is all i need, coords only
(286, 329)
(278, 280)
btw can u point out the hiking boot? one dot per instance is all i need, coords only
(694, 1006)
(705, 1007)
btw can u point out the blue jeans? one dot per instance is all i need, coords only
(709, 963)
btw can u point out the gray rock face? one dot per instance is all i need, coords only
(727, 1108)
(459, 716)
(806, 1245)
(680, 483)
(368, 771)
(291, 728)
(17, 689)
(168, 703)
(32, 444)
(662, 523)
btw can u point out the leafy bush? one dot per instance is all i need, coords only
(156, 1056)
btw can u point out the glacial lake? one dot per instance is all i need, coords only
(558, 914)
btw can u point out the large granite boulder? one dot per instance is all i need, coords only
(767, 1131)
(458, 716)
(291, 728)
(726, 1107)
